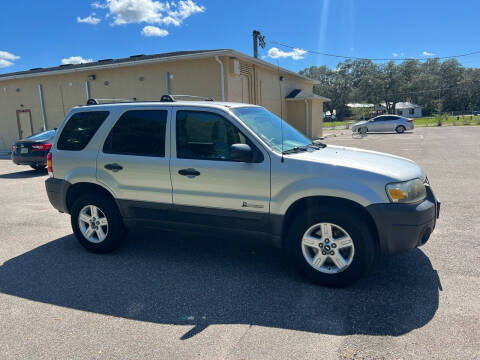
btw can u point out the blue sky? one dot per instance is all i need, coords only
(43, 33)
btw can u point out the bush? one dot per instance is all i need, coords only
(439, 120)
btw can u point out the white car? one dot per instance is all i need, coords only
(384, 123)
(235, 168)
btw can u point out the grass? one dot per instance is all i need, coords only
(424, 121)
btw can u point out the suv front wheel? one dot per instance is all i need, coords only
(97, 223)
(332, 246)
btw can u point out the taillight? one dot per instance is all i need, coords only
(409, 120)
(41, 147)
(49, 164)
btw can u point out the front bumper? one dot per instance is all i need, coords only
(57, 193)
(405, 226)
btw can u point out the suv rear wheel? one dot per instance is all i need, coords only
(97, 223)
(332, 247)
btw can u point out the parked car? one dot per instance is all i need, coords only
(235, 168)
(33, 150)
(384, 123)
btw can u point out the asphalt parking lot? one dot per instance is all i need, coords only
(168, 295)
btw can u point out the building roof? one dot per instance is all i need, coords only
(357, 105)
(299, 94)
(147, 59)
(406, 105)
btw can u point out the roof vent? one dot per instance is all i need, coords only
(63, 65)
(104, 60)
(136, 56)
(38, 68)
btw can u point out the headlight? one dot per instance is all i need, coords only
(407, 192)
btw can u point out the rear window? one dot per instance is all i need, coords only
(79, 130)
(43, 135)
(138, 132)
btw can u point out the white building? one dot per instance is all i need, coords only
(408, 109)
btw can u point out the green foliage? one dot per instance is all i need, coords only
(363, 81)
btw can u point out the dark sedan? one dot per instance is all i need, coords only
(33, 150)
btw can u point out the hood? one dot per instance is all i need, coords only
(393, 167)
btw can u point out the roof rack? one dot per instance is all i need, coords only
(173, 98)
(164, 98)
(106, 101)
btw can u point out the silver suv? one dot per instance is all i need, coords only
(227, 167)
(384, 123)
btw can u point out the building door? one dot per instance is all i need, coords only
(24, 122)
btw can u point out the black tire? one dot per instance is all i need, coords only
(400, 129)
(357, 227)
(38, 167)
(116, 230)
(363, 130)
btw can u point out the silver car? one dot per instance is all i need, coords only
(235, 168)
(384, 123)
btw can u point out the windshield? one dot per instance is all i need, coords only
(268, 127)
(43, 135)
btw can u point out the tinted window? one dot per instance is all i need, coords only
(138, 132)
(206, 136)
(80, 129)
(46, 135)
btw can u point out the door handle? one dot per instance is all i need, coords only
(191, 173)
(114, 167)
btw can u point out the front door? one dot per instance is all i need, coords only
(24, 123)
(134, 160)
(209, 187)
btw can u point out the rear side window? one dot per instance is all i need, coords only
(138, 132)
(80, 129)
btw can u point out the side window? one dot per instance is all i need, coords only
(206, 136)
(138, 132)
(79, 130)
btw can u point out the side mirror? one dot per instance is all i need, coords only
(241, 153)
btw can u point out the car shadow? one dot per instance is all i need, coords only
(186, 279)
(24, 174)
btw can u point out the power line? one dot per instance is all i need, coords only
(372, 59)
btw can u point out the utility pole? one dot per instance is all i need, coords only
(258, 38)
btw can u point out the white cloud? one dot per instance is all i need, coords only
(98, 5)
(154, 31)
(7, 59)
(92, 19)
(426, 53)
(149, 11)
(296, 54)
(395, 54)
(75, 60)
(5, 63)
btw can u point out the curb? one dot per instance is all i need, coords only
(332, 135)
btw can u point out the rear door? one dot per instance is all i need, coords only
(134, 159)
(392, 123)
(209, 187)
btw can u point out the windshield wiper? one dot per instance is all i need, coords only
(295, 149)
(313, 145)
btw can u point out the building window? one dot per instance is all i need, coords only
(412, 111)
